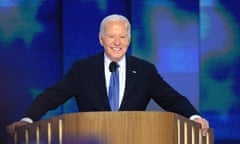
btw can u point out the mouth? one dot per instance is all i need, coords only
(116, 48)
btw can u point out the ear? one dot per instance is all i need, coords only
(100, 38)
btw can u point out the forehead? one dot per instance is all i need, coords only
(115, 26)
(119, 23)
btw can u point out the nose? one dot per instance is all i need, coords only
(117, 41)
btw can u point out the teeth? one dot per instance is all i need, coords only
(116, 49)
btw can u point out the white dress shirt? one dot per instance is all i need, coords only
(122, 75)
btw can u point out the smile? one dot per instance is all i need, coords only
(116, 48)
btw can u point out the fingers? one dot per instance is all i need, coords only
(204, 125)
(12, 127)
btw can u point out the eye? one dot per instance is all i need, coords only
(122, 37)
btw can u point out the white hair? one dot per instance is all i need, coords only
(115, 17)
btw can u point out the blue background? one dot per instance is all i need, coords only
(194, 45)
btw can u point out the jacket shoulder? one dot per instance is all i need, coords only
(139, 61)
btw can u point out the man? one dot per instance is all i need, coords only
(89, 80)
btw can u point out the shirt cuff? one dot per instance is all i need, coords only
(27, 119)
(195, 117)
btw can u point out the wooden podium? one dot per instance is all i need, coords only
(114, 128)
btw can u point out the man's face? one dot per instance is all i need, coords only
(115, 40)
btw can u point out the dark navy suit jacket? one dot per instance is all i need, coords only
(86, 81)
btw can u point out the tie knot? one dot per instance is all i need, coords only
(113, 66)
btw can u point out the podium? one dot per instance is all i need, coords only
(129, 127)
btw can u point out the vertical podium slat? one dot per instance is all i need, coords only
(114, 128)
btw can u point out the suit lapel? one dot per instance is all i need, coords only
(99, 77)
(131, 74)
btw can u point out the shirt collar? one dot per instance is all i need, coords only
(121, 63)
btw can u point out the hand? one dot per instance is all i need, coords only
(12, 127)
(204, 125)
